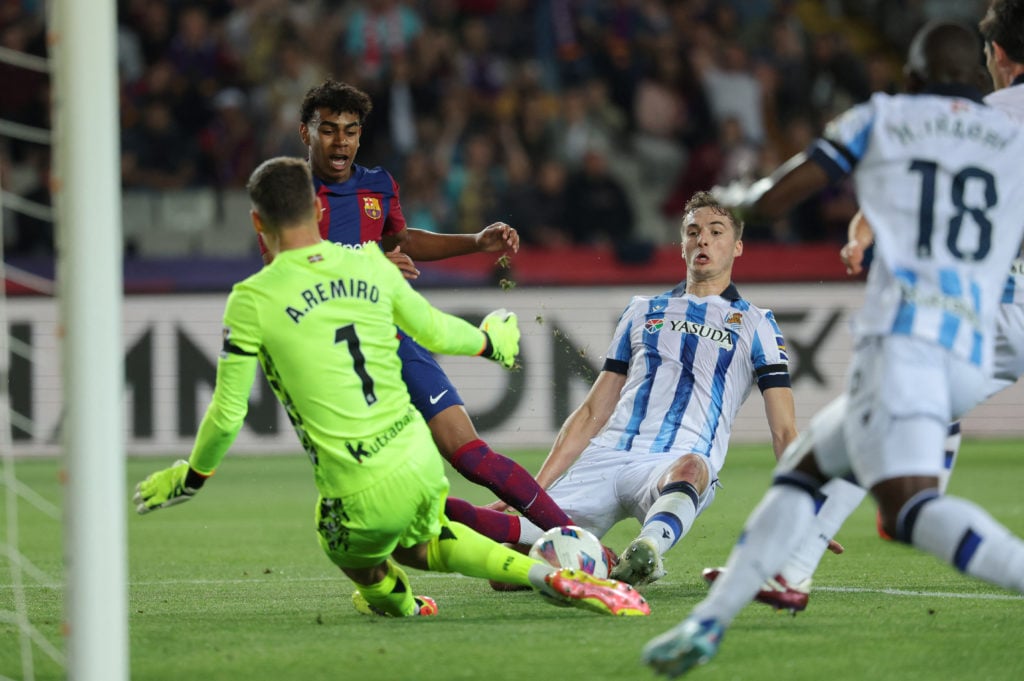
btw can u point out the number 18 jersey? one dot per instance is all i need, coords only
(938, 176)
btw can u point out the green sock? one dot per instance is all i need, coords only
(391, 595)
(461, 549)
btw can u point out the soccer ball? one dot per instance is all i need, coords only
(571, 547)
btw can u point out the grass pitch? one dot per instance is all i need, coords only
(233, 586)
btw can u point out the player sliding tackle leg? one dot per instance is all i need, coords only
(679, 489)
(386, 590)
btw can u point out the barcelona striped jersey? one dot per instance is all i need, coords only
(362, 209)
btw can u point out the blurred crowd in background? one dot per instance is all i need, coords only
(576, 121)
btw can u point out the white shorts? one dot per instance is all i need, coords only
(892, 422)
(1009, 350)
(607, 485)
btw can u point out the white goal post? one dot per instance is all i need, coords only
(83, 43)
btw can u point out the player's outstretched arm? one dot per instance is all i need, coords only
(420, 244)
(236, 371)
(772, 197)
(218, 429)
(780, 410)
(167, 487)
(497, 337)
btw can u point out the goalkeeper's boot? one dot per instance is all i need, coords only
(582, 590)
(684, 647)
(639, 564)
(425, 606)
(778, 593)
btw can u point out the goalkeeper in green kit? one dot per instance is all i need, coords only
(320, 319)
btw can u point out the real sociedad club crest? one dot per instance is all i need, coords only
(734, 321)
(654, 325)
(371, 206)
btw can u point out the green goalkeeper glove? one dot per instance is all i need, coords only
(501, 328)
(174, 485)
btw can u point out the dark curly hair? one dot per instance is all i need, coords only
(338, 98)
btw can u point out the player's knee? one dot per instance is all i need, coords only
(367, 576)
(452, 430)
(413, 556)
(691, 468)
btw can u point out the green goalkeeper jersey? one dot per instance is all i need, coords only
(321, 320)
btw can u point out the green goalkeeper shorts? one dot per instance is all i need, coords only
(403, 508)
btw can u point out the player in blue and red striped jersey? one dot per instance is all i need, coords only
(361, 205)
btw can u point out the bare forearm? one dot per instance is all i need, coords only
(422, 245)
(781, 413)
(780, 441)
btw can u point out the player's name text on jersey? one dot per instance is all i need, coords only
(946, 126)
(720, 336)
(325, 291)
(361, 449)
(1017, 269)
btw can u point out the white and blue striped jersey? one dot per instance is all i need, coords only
(939, 178)
(1011, 101)
(689, 363)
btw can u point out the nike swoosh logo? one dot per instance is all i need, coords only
(434, 399)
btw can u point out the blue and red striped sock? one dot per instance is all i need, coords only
(477, 462)
(501, 527)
